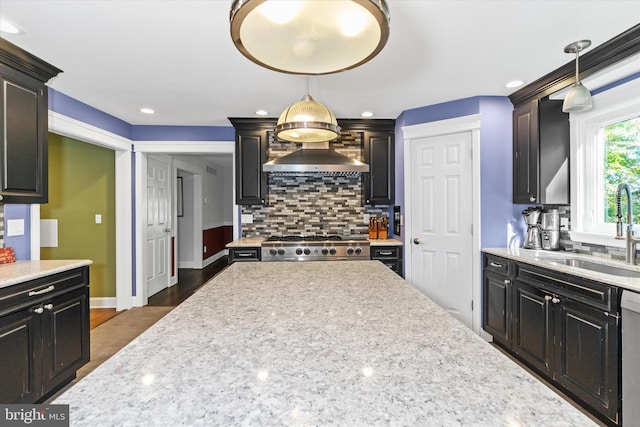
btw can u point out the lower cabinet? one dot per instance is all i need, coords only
(391, 256)
(44, 335)
(244, 254)
(564, 327)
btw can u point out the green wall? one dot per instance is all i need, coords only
(81, 185)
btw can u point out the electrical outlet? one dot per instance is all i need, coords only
(205, 249)
(247, 219)
(366, 218)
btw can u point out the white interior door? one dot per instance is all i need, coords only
(441, 221)
(158, 226)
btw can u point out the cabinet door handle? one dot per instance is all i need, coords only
(48, 306)
(532, 198)
(496, 264)
(555, 300)
(42, 291)
(548, 297)
(507, 281)
(38, 310)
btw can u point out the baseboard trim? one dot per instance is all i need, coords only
(102, 302)
(213, 258)
(186, 264)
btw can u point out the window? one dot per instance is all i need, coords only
(605, 151)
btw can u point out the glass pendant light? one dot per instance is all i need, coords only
(307, 121)
(579, 98)
(309, 36)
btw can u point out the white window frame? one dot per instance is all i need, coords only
(587, 168)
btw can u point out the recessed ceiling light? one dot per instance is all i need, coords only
(262, 113)
(366, 114)
(514, 83)
(9, 28)
(147, 110)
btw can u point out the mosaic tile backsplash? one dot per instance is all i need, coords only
(312, 203)
(585, 248)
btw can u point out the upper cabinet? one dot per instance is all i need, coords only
(23, 125)
(541, 130)
(541, 153)
(252, 143)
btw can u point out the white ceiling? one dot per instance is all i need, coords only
(177, 56)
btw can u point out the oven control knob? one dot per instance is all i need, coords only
(307, 251)
(298, 251)
(358, 251)
(350, 251)
(325, 251)
(332, 251)
(281, 251)
(272, 252)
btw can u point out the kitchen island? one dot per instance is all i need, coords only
(313, 343)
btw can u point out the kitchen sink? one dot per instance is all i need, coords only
(594, 266)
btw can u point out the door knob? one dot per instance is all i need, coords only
(416, 241)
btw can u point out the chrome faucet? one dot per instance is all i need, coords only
(631, 238)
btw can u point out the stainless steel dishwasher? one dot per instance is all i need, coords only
(630, 315)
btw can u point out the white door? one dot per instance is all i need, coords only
(441, 221)
(158, 226)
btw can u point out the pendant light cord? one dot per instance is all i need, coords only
(577, 55)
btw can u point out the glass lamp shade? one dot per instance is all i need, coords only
(307, 121)
(578, 99)
(309, 36)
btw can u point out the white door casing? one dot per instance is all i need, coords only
(158, 243)
(442, 221)
(442, 205)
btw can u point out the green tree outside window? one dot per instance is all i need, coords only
(622, 164)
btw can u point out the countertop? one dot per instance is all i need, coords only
(21, 271)
(385, 242)
(313, 343)
(546, 259)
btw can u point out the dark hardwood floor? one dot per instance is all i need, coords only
(189, 280)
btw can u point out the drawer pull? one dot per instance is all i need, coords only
(244, 254)
(42, 291)
(496, 264)
(386, 253)
(38, 310)
(48, 307)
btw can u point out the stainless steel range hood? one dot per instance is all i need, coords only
(315, 158)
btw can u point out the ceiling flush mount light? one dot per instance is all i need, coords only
(147, 110)
(309, 36)
(579, 98)
(307, 121)
(366, 114)
(262, 113)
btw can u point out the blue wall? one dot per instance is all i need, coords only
(21, 244)
(500, 219)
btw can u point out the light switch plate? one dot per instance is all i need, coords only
(98, 219)
(247, 219)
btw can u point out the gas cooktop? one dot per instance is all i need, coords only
(316, 247)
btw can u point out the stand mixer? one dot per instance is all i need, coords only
(531, 217)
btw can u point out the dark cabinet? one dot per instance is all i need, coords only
(379, 183)
(23, 125)
(44, 335)
(563, 326)
(251, 153)
(244, 254)
(540, 153)
(532, 331)
(496, 288)
(391, 256)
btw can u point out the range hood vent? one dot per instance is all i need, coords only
(310, 159)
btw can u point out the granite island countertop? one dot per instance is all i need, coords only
(21, 271)
(315, 343)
